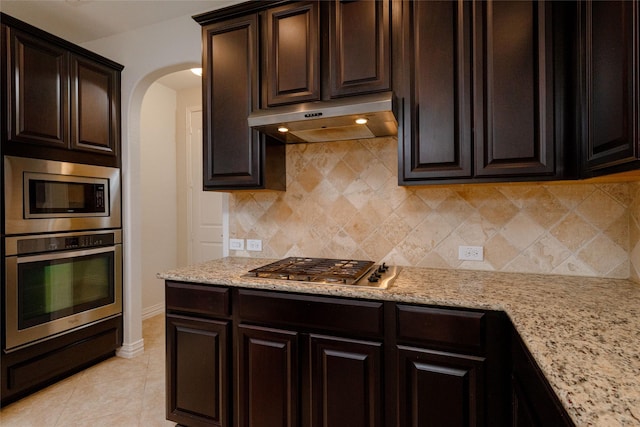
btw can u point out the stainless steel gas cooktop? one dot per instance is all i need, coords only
(329, 271)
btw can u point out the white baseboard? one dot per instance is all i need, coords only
(129, 351)
(154, 310)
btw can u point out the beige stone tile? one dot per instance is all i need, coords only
(522, 231)
(600, 210)
(499, 252)
(394, 229)
(618, 231)
(433, 260)
(543, 207)
(341, 176)
(413, 210)
(573, 266)
(377, 247)
(602, 254)
(620, 192)
(433, 196)
(455, 210)
(476, 230)
(574, 232)
(448, 249)
(499, 210)
(571, 195)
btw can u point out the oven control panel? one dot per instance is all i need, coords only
(52, 243)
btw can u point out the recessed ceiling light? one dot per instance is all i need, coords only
(283, 129)
(197, 71)
(361, 121)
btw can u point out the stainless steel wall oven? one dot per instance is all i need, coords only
(58, 282)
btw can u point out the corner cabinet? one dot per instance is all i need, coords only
(479, 94)
(609, 70)
(61, 101)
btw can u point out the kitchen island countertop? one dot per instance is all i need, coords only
(583, 332)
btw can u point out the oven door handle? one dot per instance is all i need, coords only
(63, 255)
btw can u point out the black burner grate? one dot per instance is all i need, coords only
(323, 270)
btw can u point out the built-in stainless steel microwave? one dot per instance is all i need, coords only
(43, 196)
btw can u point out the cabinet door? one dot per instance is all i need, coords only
(231, 151)
(346, 382)
(439, 389)
(267, 366)
(37, 91)
(359, 47)
(197, 371)
(95, 100)
(533, 401)
(513, 81)
(435, 132)
(611, 116)
(291, 72)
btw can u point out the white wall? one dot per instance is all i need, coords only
(147, 53)
(159, 193)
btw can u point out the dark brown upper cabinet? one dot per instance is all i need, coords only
(62, 102)
(95, 101)
(235, 156)
(434, 133)
(479, 92)
(323, 50)
(359, 48)
(609, 39)
(513, 81)
(291, 67)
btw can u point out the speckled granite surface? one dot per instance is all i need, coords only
(583, 332)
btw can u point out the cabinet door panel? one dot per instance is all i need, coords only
(267, 383)
(230, 59)
(95, 93)
(37, 91)
(436, 119)
(610, 37)
(513, 86)
(292, 54)
(439, 389)
(359, 47)
(346, 377)
(197, 371)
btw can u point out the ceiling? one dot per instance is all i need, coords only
(81, 21)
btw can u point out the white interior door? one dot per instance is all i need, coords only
(206, 216)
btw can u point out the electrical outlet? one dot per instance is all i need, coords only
(254, 245)
(236, 244)
(471, 253)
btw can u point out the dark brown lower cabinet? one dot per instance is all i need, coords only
(261, 358)
(267, 377)
(439, 389)
(197, 371)
(533, 401)
(346, 382)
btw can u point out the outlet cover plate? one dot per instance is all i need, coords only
(471, 253)
(254, 245)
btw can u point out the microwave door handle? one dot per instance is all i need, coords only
(64, 254)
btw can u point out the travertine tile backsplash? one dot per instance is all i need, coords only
(343, 201)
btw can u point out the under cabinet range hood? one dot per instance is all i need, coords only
(361, 117)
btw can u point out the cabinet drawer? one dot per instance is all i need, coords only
(441, 328)
(306, 312)
(199, 299)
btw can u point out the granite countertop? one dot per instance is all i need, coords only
(583, 332)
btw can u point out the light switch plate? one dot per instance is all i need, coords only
(236, 244)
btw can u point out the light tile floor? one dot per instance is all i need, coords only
(116, 393)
